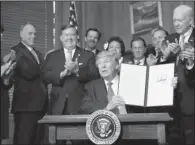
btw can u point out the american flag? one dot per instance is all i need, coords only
(73, 17)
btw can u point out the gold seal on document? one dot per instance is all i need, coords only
(103, 127)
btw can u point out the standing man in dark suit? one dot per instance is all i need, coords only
(30, 94)
(159, 53)
(7, 67)
(68, 69)
(92, 37)
(158, 35)
(138, 48)
(182, 45)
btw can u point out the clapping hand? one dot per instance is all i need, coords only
(72, 66)
(9, 63)
(151, 59)
(11, 68)
(188, 53)
(174, 47)
(11, 56)
(174, 82)
(4, 68)
(165, 49)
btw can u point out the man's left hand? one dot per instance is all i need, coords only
(72, 66)
(151, 59)
(189, 55)
(116, 101)
(174, 82)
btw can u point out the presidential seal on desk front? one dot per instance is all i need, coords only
(103, 127)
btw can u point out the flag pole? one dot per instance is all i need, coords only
(77, 21)
(76, 11)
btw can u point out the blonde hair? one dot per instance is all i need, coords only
(106, 54)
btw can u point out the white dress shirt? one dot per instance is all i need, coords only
(34, 54)
(66, 51)
(141, 62)
(186, 35)
(94, 50)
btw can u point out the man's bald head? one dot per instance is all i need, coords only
(28, 33)
(183, 18)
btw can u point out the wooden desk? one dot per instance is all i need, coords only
(134, 126)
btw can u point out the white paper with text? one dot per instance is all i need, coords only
(132, 84)
(160, 90)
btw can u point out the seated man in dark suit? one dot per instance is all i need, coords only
(181, 45)
(103, 93)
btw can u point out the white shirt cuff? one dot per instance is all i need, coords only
(162, 59)
(189, 67)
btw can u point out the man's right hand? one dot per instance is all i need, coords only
(4, 68)
(11, 56)
(166, 50)
(116, 101)
(64, 73)
(11, 68)
(151, 59)
(7, 58)
(174, 47)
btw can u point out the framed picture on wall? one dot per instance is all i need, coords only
(145, 16)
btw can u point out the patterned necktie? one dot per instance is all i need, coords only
(35, 55)
(69, 55)
(180, 59)
(110, 91)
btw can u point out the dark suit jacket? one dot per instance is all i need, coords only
(5, 110)
(30, 93)
(97, 51)
(150, 50)
(186, 79)
(70, 87)
(95, 97)
(129, 58)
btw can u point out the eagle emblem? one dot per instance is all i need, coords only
(103, 127)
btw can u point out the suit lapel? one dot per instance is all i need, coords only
(27, 53)
(77, 53)
(145, 62)
(191, 39)
(39, 55)
(61, 57)
(101, 89)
